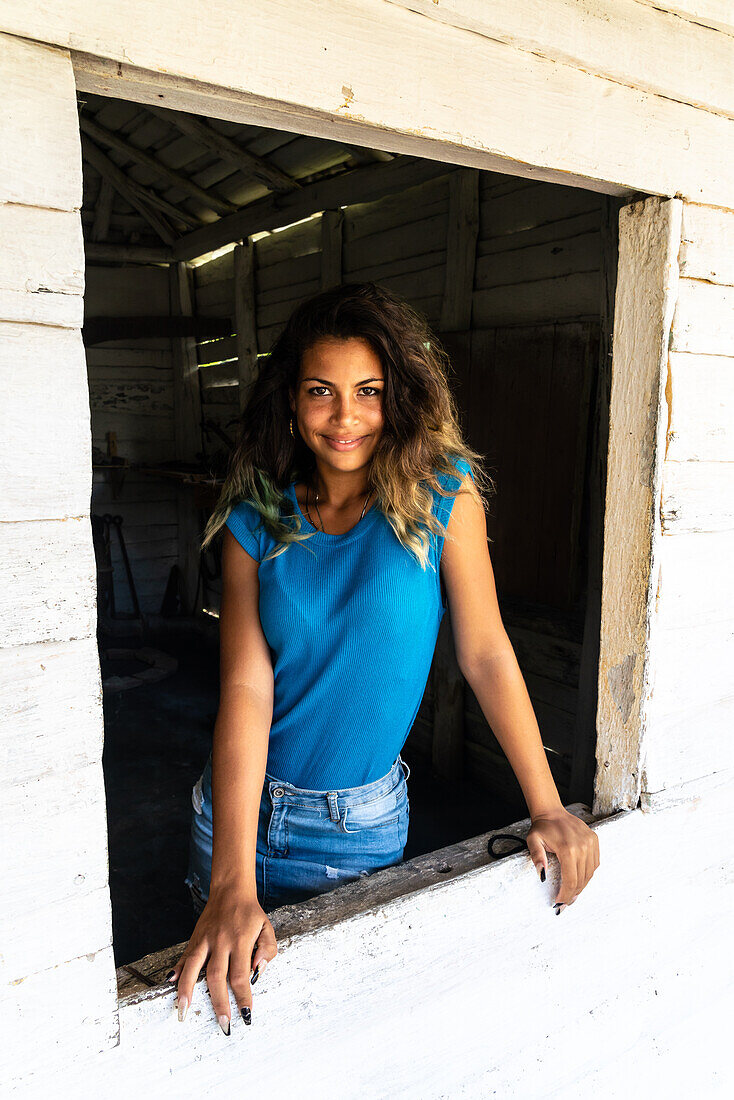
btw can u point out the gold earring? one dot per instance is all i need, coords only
(291, 425)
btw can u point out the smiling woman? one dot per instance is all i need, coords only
(350, 449)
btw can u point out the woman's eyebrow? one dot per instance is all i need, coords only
(327, 383)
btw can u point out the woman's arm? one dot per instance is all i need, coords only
(242, 728)
(488, 662)
(233, 935)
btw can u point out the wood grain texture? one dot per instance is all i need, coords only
(647, 289)
(379, 95)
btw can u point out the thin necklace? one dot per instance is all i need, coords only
(316, 492)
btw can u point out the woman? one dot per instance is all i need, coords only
(338, 560)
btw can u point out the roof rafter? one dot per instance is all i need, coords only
(253, 165)
(107, 137)
(126, 187)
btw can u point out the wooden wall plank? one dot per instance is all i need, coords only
(652, 143)
(619, 41)
(45, 457)
(41, 164)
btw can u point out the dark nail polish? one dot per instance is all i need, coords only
(542, 874)
(255, 975)
(169, 975)
(246, 1015)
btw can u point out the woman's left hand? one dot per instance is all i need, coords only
(575, 845)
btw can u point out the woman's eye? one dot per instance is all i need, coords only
(318, 391)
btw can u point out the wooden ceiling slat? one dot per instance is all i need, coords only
(267, 173)
(106, 137)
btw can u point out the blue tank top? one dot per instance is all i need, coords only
(352, 630)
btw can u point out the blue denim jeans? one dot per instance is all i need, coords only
(308, 842)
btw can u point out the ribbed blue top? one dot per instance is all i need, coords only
(352, 630)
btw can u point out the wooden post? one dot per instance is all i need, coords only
(461, 250)
(647, 288)
(187, 426)
(245, 317)
(584, 740)
(332, 223)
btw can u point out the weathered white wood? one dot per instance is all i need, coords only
(467, 957)
(697, 496)
(49, 589)
(618, 41)
(652, 143)
(687, 596)
(245, 318)
(59, 930)
(701, 408)
(45, 450)
(707, 13)
(707, 244)
(332, 223)
(59, 823)
(649, 239)
(704, 318)
(79, 1028)
(42, 273)
(50, 711)
(41, 164)
(461, 250)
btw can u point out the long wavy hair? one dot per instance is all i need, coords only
(421, 435)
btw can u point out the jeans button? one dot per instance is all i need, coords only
(277, 792)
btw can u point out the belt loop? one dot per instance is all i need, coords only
(333, 799)
(407, 769)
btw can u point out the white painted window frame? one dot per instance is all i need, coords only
(647, 271)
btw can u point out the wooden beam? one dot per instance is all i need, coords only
(126, 253)
(645, 300)
(245, 318)
(97, 330)
(332, 226)
(146, 194)
(259, 168)
(107, 137)
(359, 185)
(102, 211)
(129, 191)
(461, 250)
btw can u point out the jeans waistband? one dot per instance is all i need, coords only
(302, 796)
(367, 792)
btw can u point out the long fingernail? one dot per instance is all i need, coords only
(169, 975)
(246, 1014)
(224, 1024)
(559, 906)
(258, 970)
(183, 1008)
(542, 874)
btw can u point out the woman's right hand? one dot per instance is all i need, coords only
(232, 937)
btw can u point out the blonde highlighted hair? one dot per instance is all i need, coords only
(421, 435)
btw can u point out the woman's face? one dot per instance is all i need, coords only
(338, 401)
